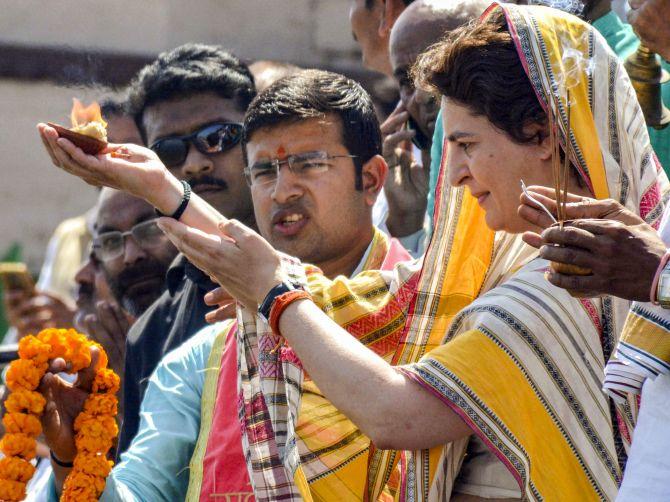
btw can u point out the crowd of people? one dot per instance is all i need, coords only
(310, 299)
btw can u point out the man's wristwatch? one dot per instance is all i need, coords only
(281, 288)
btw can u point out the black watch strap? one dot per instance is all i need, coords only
(281, 288)
(184, 202)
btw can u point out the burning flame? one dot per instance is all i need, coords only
(82, 115)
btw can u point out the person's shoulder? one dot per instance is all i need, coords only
(198, 346)
(526, 288)
(619, 35)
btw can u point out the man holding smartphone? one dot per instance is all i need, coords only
(409, 130)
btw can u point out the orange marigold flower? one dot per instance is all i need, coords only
(24, 374)
(106, 381)
(22, 401)
(12, 490)
(101, 404)
(92, 445)
(84, 416)
(79, 487)
(100, 426)
(78, 480)
(18, 445)
(31, 347)
(93, 464)
(79, 495)
(22, 422)
(95, 426)
(56, 339)
(78, 351)
(16, 469)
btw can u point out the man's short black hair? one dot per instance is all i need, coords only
(370, 3)
(191, 69)
(315, 93)
(114, 106)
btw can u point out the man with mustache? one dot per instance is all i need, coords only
(136, 265)
(312, 145)
(188, 105)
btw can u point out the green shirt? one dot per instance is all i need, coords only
(435, 161)
(622, 40)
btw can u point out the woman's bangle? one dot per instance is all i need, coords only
(654, 285)
(67, 465)
(281, 302)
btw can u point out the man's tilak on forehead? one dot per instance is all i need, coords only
(479, 293)
(319, 209)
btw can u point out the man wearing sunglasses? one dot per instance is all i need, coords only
(188, 105)
(312, 145)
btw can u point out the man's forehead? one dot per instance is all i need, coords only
(122, 129)
(117, 210)
(295, 137)
(184, 115)
(405, 47)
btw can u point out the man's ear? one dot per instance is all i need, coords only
(391, 10)
(374, 175)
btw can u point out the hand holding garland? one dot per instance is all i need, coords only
(64, 402)
(92, 428)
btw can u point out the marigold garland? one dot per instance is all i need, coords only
(95, 427)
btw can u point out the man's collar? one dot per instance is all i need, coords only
(374, 254)
(181, 269)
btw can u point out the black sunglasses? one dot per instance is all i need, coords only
(210, 139)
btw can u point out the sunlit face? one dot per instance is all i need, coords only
(491, 165)
(316, 218)
(365, 24)
(218, 178)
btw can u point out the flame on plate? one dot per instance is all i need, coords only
(82, 115)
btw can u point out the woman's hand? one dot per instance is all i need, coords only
(130, 168)
(238, 258)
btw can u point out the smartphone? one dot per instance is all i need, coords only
(420, 140)
(16, 277)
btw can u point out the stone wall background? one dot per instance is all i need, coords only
(34, 196)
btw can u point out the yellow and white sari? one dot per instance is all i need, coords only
(476, 323)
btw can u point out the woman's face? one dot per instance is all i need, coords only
(484, 159)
